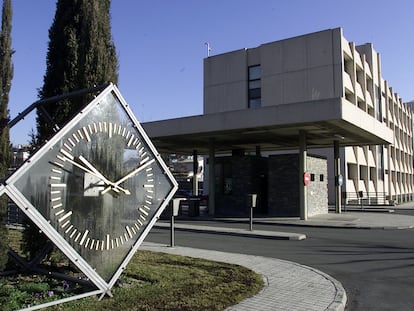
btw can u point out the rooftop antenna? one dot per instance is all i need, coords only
(208, 48)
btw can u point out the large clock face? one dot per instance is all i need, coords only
(98, 183)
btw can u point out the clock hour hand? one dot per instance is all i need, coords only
(98, 174)
(129, 175)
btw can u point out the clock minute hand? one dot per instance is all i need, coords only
(102, 177)
(129, 175)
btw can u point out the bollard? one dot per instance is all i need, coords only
(252, 201)
(174, 212)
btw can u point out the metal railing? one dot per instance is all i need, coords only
(362, 198)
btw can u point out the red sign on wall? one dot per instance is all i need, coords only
(306, 178)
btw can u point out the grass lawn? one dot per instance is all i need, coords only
(152, 281)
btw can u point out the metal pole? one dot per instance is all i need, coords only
(251, 218)
(172, 242)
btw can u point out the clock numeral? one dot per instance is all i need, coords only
(80, 134)
(78, 236)
(129, 231)
(110, 130)
(73, 233)
(68, 147)
(84, 237)
(143, 211)
(69, 229)
(131, 140)
(57, 206)
(76, 137)
(107, 237)
(67, 154)
(58, 185)
(54, 170)
(133, 230)
(68, 214)
(60, 213)
(85, 132)
(70, 140)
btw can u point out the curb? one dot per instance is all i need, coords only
(234, 231)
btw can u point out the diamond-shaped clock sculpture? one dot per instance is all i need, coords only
(96, 188)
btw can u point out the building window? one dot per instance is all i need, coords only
(255, 86)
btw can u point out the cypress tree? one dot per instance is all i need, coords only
(6, 75)
(81, 54)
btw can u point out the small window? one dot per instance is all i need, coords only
(312, 177)
(255, 86)
(321, 177)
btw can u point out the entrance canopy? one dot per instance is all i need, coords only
(271, 128)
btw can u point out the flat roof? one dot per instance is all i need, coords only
(271, 128)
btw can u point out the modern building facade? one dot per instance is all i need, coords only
(318, 93)
(320, 66)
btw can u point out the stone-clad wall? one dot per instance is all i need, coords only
(283, 185)
(318, 187)
(276, 181)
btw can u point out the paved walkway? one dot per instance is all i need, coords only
(288, 285)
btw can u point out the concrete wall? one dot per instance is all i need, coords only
(225, 82)
(299, 69)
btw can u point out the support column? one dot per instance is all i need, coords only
(338, 177)
(195, 170)
(211, 181)
(303, 202)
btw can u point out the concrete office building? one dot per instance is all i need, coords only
(315, 92)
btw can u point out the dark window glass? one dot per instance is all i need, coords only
(255, 86)
(255, 72)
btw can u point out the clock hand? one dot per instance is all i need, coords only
(116, 188)
(129, 175)
(94, 174)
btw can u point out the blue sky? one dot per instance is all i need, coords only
(161, 45)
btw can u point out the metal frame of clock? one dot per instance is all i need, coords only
(95, 188)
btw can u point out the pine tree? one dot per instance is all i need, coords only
(6, 75)
(81, 54)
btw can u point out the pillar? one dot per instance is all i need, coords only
(211, 181)
(337, 173)
(303, 202)
(195, 170)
